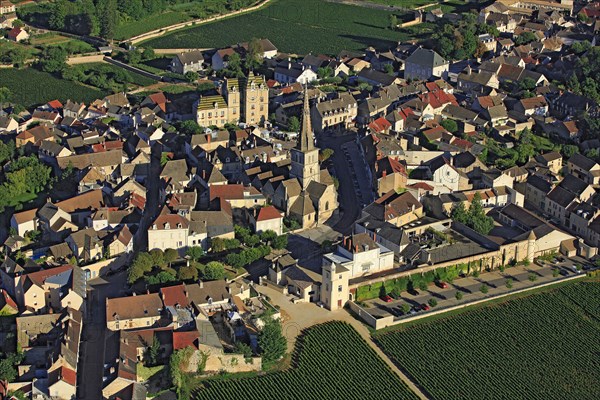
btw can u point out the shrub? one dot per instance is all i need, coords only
(423, 285)
(509, 283)
(484, 289)
(432, 302)
(532, 277)
(458, 295)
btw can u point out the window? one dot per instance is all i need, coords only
(340, 288)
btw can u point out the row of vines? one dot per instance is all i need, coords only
(544, 346)
(330, 361)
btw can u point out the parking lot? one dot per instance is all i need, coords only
(519, 277)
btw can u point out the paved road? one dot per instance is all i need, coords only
(93, 344)
(151, 209)
(347, 196)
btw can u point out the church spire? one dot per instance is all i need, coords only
(305, 139)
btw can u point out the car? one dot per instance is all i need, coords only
(425, 307)
(587, 267)
(386, 298)
(564, 273)
(413, 311)
(443, 285)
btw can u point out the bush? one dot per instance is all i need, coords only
(484, 289)
(405, 308)
(532, 277)
(423, 285)
(555, 272)
(459, 295)
(432, 302)
(509, 283)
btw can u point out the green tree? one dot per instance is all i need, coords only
(326, 154)
(170, 256)
(569, 150)
(134, 57)
(459, 213)
(195, 252)
(187, 273)
(213, 271)
(58, 13)
(393, 22)
(271, 341)
(527, 84)
(280, 242)
(108, 18)
(141, 265)
(525, 37)
(189, 127)
(254, 56)
(267, 236)
(432, 302)
(484, 288)
(153, 352)
(450, 125)
(458, 295)
(405, 308)
(53, 60)
(8, 367)
(389, 69)
(148, 53)
(294, 124)
(191, 76)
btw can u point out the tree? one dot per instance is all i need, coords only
(53, 60)
(213, 271)
(324, 72)
(195, 252)
(141, 265)
(527, 84)
(191, 76)
(187, 273)
(569, 150)
(432, 302)
(58, 13)
(108, 16)
(158, 258)
(509, 283)
(189, 127)
(393, 22)
(484, 288)
(267, 236)
(459, 213)
(389, 69)
(450, 125)
(525, 37)
(271, 341)
(8, 367)
(280, 242)
(134, 57)
(294, 124)
(422, 285)
(405, 308)
(170, 256)
(458, 295)
(148, 53)
(254, 56)
(153, 352)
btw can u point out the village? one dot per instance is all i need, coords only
(376, 186)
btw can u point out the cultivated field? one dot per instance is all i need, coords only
(298, 26)
(331, 361)
(544, 346)
(31, 87)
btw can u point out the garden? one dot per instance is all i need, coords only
(543, 346)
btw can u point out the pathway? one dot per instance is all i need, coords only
(304, 315)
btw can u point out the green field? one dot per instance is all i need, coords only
(331, 361)
(298, 26)
(150, 23)
(544, 346)
(31, 87)
(110, 70)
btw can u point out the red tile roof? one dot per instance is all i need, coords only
(267, 213)
(55, 104)
(173, 220)
(181, 340)
(421, 185)
(69, 376)
(40, 277)
(380, 125)
(174, 295)
(8, 300)
(231, 192)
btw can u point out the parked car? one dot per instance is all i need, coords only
(587, 267)
(425, 307)
(564, 272)
(413, 310)
(575, 269)
(386, 298)
(442, 285)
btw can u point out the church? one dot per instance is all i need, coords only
(312, 198)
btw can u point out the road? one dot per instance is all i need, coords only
(348, 197)
(93, 344)
(152, 207)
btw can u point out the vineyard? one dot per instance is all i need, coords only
(298, 26)
(544, 346)
(331, 361)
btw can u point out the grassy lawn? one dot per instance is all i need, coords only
(541, 346)
(331, 361)
(146, 373)
(297, 26)
(31, 87)
(55, 39)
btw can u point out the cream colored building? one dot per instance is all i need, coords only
(133, 312)
(340, 112)
(255, 100)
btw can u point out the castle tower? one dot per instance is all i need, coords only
(305, 156)
(231, 92)
(255, 100)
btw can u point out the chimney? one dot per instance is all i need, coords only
(201, 284)
(289, 65)
(356, 248)
(208, 138)
(384, 173)
(374, 236)
(345, 241)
